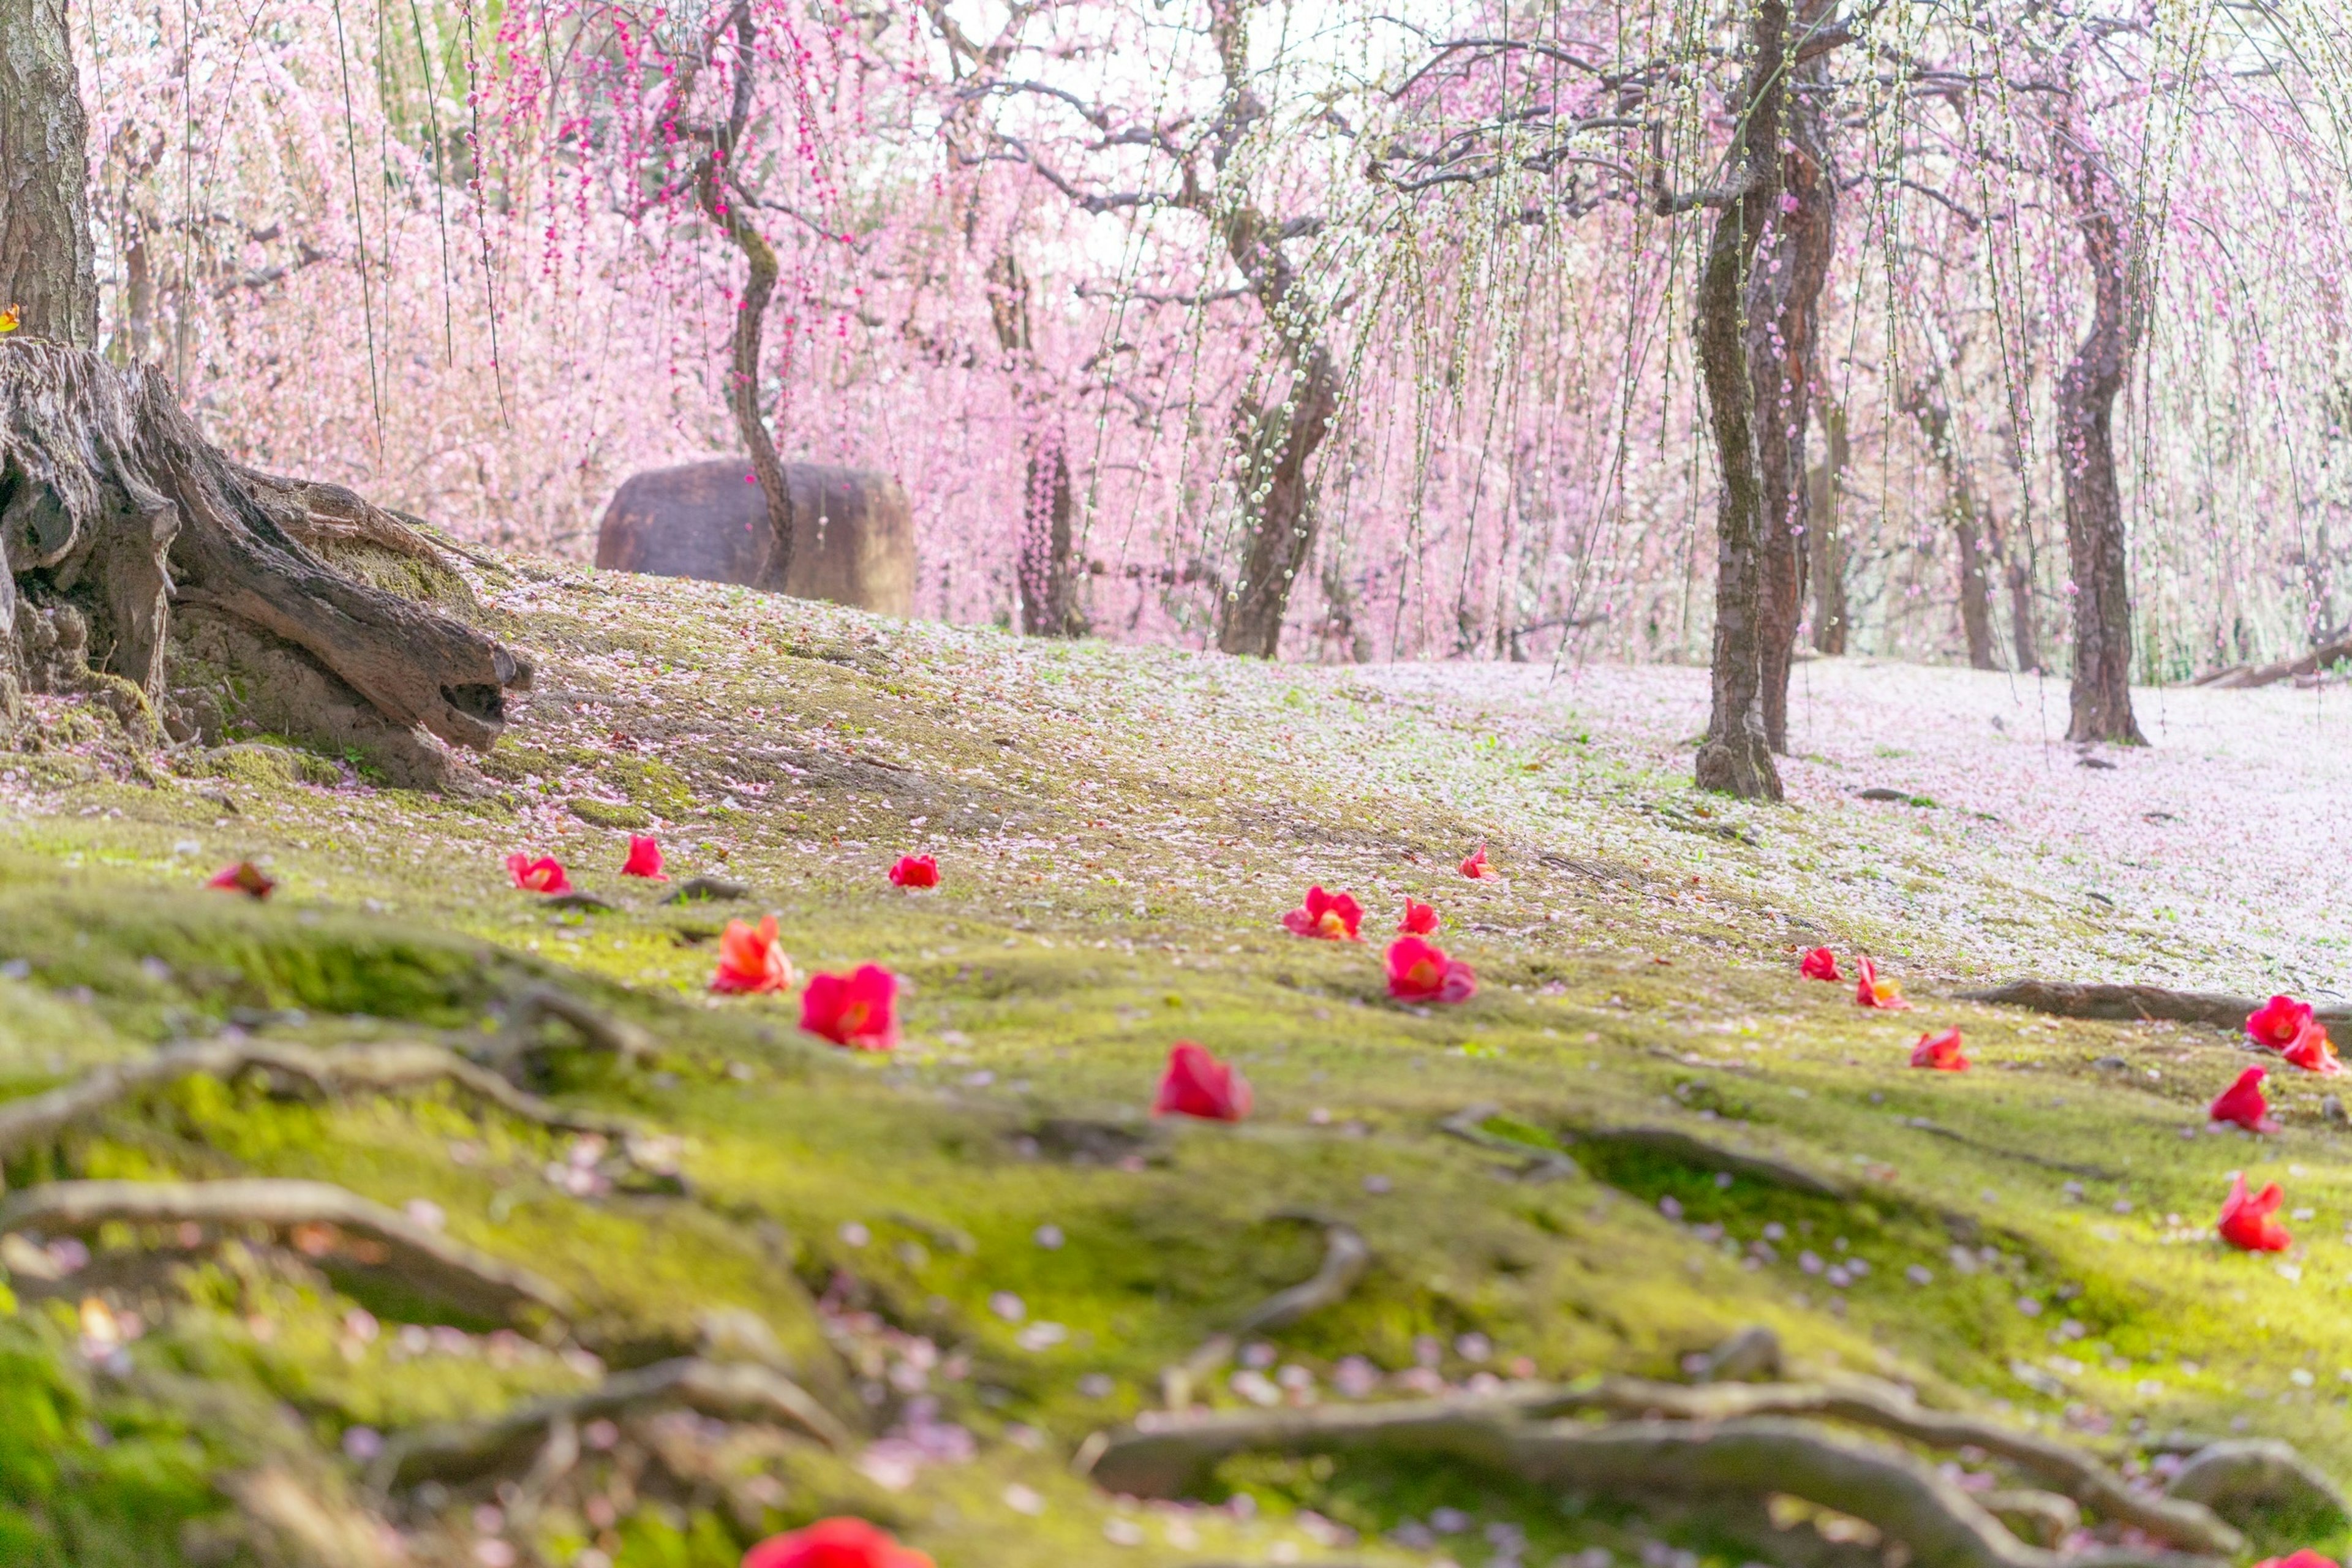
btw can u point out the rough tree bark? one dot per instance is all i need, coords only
(1974, 528)
(116, 513)
(1049, 588)
(1735, 757)
(2097, 561)
(1783, 304)
(723, 202)
(1279, 442)
(1824, 539)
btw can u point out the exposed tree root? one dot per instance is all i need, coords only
(1537, 1163)
(325, 1221)
(2242, 1476)
(2129, 1004)
(1752, 1353)
(727, 1391)
(39, 1119)
(1345, 1259)
(2249, 675)
(1683, 1148)
(1902, 1497)
(1864, 1402)
(696, 889)
(520, 1040)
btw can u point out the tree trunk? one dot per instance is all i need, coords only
(47, 255)
(2020, 616)
(1048, 587)
(1783, 305)
(1825, 539)
(1735, 757)
(1978, 545)
(2097, 560)
(1279, 502)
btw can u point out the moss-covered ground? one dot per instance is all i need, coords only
(980, 1249)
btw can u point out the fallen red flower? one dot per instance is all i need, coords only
(1198, 1084)
(2243, 1104)
(245, 877)
(2246, 1223)
(1419, 919)
(1476, 866)
(751, 959)
(916, 871)
(1818, 964)
(834, 1543)
(858, 1009)
(645, 858)
(2314, 1052)
(2306, 1558)
(2278, 1022)
(1939, 1052)
(1333, 917)
(1420, 972)
(544, 875)
(1869, 990)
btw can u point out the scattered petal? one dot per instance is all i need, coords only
(645, 858)
(1476, 866)
(2250, 1223)
(2243, 1103)
(245, 877)
(1198, 1084)
(1818, 964)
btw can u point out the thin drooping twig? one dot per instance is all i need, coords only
(1885, 1407)
(2133, 1004)
(729, 1391)
(37, 1119)
(335, 1223)
(1345, 1259)
(1902, 1496)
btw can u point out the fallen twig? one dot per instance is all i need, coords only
(729, 1391)
(1345, 1259)
(326, 1219)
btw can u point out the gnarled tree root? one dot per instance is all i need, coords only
(1671, 1143)
(2133, 1004)
(1902, 1497)
(1864, 1402)
(519, 1041)
(728, 1390)
(2240, 1476)
(332, 1222)
(37, 1119)
(1345, 1259)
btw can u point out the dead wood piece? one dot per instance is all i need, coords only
(1542, 1164)
(461, 1451)
(2240, 1477)
(337, 1221)
(2247, 676)
(1345, 1258)
(2131, 1004)
(1902, 1497)
(1686, 1149)
(39, 1119)
(717, 888)
(1866, 1402)
(323, 515)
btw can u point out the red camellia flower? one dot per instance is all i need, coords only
(751, 958)
(1198, 1084)
(2278, 1022)
(1476, 866)
(644, 859)
(1886, 995)
(2246, 1223)
(1419, 919)
(544, 875)
(915, 871)
(1333, 917)
(2306, 1558)
(245, 877)
(2243, 1103)
(2313, 1051)
(834, 1543)
(858, 1009)
(1420, 972)
(1818, 964)
(1939, 1052)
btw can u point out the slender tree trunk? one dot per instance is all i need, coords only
(2020, 616)
(1825, 539)
(1048, 585)
(2097, 564)
(1279, 503)
(1735, 757)
(47, 255)
(1966, 512)
(1783, 304)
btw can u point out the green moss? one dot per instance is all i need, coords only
(260, 765)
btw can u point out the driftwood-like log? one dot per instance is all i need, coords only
(1902, 1497)
(39, 1119)
(358, 1229)
(1881, 1406)
(1345, 1259)
(729, 1391)
(2134, 1004)
(2251, 675)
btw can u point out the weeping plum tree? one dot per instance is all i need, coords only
(128, 537)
